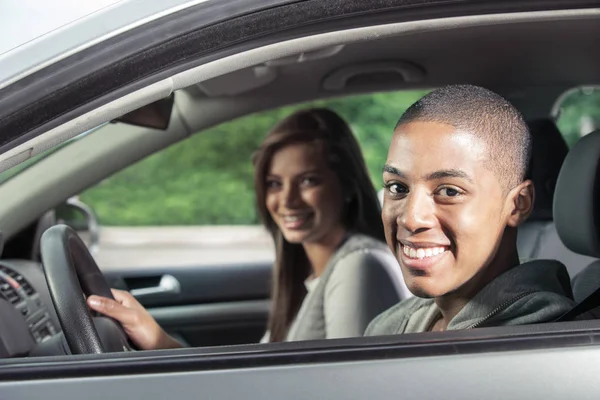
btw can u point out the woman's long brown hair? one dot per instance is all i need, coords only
(362, 210)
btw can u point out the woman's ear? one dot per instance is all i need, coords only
(521, 198)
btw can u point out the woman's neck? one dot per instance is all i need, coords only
(319, 253)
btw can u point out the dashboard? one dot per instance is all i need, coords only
(27, 316)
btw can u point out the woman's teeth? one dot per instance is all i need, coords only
(295, 221)
(422, 252)
(293, 218)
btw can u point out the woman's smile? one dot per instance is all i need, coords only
(296, 221)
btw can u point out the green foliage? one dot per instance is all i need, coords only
(581, 103)
(207, 179)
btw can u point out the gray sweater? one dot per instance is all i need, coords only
(533, 292)
(361, 280)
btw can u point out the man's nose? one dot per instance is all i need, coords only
(418, 212)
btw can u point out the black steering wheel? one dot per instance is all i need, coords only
(72, 275)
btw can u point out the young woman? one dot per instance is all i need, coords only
(333, 271)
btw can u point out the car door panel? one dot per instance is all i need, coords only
(214, 324)
(213, 304)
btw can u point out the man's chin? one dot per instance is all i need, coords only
(424, 290)
(418, 292)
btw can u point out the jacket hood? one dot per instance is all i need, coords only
(535, 291)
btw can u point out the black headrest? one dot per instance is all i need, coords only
(576, 201)
(548, 151)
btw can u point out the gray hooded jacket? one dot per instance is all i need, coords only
(533, 292)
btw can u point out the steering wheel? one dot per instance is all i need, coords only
(72, 275)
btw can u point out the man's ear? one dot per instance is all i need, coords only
(521, 199)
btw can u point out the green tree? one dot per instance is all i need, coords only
(576, 106)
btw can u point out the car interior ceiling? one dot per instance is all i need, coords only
(523, 67)
(425, 61)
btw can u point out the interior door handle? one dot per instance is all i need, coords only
(168, 285)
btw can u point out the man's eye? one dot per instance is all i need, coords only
(449, 192)
(396, 188)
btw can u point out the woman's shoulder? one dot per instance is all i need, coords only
(363, 258)
(358, 251)
(358, 242)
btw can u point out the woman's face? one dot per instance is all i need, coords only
(303, 195)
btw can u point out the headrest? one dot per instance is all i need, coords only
(576, 201)
(548, 151)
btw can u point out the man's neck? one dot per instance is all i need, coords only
(506, 258)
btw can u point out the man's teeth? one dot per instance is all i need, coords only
(422, 252)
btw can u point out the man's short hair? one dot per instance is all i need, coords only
(485, 114)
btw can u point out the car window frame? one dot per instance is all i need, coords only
(454, 343)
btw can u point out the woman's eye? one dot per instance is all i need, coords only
(273, 184)
(449, 192)
(396, 188)
(309, 181)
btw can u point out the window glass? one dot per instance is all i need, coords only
(207, 179)
(579, 113)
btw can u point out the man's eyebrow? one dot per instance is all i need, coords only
(449, 173)
(393, 170)
(441, 174)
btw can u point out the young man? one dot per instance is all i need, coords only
(455, 194)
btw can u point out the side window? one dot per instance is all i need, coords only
(579, 113)
(204, 184)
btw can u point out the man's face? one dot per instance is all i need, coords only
(444, 210)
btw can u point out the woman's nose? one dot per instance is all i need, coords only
(291, 196)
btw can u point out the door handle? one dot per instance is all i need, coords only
(168, 285)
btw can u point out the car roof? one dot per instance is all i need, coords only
(35, 33)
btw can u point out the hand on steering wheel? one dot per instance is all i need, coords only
(137, 322)
(72, 275)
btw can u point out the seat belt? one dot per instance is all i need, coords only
(588, 308)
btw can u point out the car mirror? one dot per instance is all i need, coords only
(155, 115)
(82, 219)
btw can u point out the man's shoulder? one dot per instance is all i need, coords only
(393, 320)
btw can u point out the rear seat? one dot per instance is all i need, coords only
(577, 219)
(537, 237)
